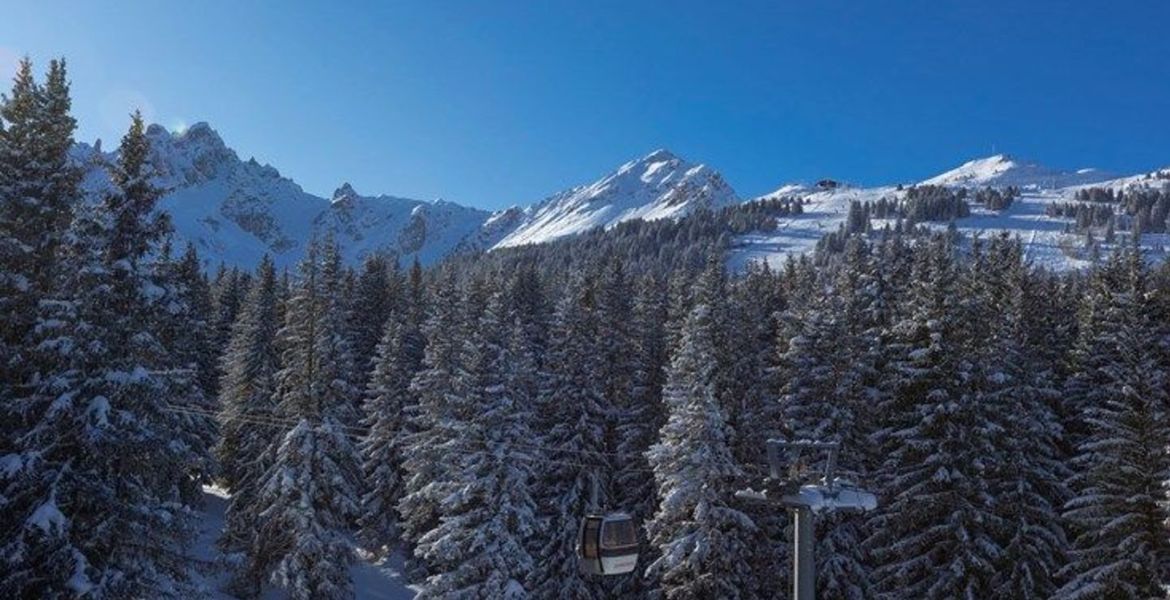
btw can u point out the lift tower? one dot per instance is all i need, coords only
(804, 495)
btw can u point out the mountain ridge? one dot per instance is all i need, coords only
(235, 210)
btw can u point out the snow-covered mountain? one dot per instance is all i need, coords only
(1001, 170)
(408, 228)
(237, 210)
(657, 186)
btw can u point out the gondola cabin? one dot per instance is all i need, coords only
(608, 544)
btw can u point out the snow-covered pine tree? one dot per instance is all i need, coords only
(415, 295)
(639, 423)
(823, 397)
(1118, 512)
(630, 425)
(572, 413)
(229, 291)
(38, 188)
(704, 542)
(94, 489)
(1029, 486)
(529, 303)
(752, 348)
(308, 498)
(616, 345)
(195, 341)
(398, 358)
(375, 298)
(338, 361)
(749, 400)
(180, 324)
(433, 388)
(308, 502)
(247, 390)
(680, 289)
(478, 549)
(935, 534)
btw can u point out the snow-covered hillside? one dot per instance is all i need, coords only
(401, 226)
(1045, 239)
(1001, 170)
(657, 186)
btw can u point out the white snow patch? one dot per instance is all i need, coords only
(372, 581)
(10, 465)
(1002, 170)
(99, 411)
(47, 517)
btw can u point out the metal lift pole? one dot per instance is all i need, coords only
(804, 575)
(828, 493)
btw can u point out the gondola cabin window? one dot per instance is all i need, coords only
(619, 534)
(589, 543)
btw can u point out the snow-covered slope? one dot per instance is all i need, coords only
(1046, 241)
(408, 228)
(823, 211)
(1002, 170)
(657, 186)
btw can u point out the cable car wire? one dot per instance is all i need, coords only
(360, 433)
(272, 414)
(289, 424)
(364, 431)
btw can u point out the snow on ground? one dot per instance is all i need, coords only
(823, 212)
(1045, 242)
(372, 581)
(205, 565)
(382, 581)
(1001, 170)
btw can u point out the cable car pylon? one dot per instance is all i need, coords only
(805, 496)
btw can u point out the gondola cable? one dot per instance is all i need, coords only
(287, 424)
(359, 433)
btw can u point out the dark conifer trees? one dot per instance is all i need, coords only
(38, 188)
(572, 414)
(1118, 510)
(86, 519)
(935, 536)
(479, 547)
(397, 359)
(248, 401)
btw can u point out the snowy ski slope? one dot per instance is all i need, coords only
(1045, 242)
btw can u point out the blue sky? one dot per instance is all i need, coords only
(502, 102)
